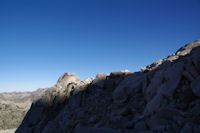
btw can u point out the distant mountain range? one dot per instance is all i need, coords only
(14, 106)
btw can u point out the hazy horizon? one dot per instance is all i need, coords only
(41, 40)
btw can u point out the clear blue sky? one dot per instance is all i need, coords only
(42, 39)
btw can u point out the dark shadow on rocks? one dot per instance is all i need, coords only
(163, 97)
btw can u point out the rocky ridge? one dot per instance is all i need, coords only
(163, 97)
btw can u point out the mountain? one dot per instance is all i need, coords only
(14, 106)
(163, 97)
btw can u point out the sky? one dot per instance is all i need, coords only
(42, 39)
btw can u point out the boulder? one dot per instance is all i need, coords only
(196, 60)
(188, 76)
(99, 80)
(109, 84)
(130, 85)
(156, 81)
(66, 79)
(195, 85)
(192, 70)
(172, 77)
(187, 128)
(86, 129)
(154, 105)
(140, 126)
(171, 58)
(154, 65)
(188, 48)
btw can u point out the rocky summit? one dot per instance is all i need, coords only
(164, 97)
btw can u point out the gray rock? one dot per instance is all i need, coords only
(154, 105)
(74, 101)
(49, 128)
(101, 76)
(65, 79)
(172, 77)
(192, 70)
(109, 84)
(171, 58)
(195, 109)
(196, 60)
(156, 82)
(188, 76)
(160, 128)
(80, 86)
(187, 128)
(187, 48)
(99, 80)
(196, 129)
(167, 113)
(130, 124)
(195, 85)
(154, 65)
(122, 73)
(123, 112)
(25, 129)
(130, 85)
(159, 99)
(179, 120)
(154, 122)
(85, 129)
(140, 126)
(93, 119)
(147, 131)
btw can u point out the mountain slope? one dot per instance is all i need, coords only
(14, 106)
(163, 97)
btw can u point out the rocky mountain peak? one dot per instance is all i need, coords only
(162, 97)
(188, 48)
(67, 78)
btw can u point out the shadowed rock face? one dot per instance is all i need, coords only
(163, 97)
